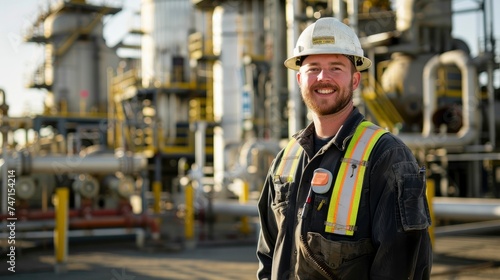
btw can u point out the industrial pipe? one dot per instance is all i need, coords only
(459, 209)
(245, 228)
(33, 214)
(430, 194)
(469, 131)
(24, 163)
(61, 227)
(189, 216)
(127, 221)
(469, 228)
(453, 208)
(235, 208)
(97, 219)
(466, 209)
(295, 104)
(246, 155)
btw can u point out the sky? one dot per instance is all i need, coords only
(18, 59)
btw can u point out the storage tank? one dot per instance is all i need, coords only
(227, 84)
(166, 25)
(77, 59)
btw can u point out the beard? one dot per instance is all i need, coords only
(343, 96)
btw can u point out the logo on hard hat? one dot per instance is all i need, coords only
(323, 40)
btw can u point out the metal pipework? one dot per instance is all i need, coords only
(246, 158)
(235, 208)
(123, 186)
(466, 209)
(271, 147)
(86, 185)
(26, 187)
(295, 106)
(24, 163)
(61, 226)
(453, 208)
(469, 131)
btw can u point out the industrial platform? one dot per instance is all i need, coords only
(459, 257)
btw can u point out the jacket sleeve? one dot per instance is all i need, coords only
(400, 216)
(268, 229)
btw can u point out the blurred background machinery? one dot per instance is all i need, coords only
(207, 102)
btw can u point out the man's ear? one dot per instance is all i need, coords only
(298, 77)
(356, 79)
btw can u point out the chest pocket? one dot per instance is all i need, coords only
(285, 173)
(280, 201)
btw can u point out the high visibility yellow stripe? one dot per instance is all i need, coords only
(347, 192)
(289, 161)
(358, 184)
(356, 197)
(344, 202)
(285, 156)
(294, 165)
(340, 182)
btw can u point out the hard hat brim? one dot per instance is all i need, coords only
(290, 63)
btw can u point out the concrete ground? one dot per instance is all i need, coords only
(458, 257)
(111, 260)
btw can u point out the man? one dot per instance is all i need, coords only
(345, 199)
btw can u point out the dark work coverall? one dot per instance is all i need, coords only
(391, 240)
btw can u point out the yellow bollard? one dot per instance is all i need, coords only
(245, 227)
(430, 199)
(61, 229)
(189, 219)
(156, 196)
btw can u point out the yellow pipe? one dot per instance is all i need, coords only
(431, 186)
(61, 229)
(189, 219)
(157, 196)
(245, 227)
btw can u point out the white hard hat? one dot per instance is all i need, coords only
(328, 36)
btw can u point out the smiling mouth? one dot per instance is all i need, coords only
(324, 91)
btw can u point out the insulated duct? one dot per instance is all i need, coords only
(24, 163)
(469, 131)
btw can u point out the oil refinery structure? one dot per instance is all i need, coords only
(181, 133)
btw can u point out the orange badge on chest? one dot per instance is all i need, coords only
(321, 181)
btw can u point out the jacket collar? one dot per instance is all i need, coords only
(305, 137)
